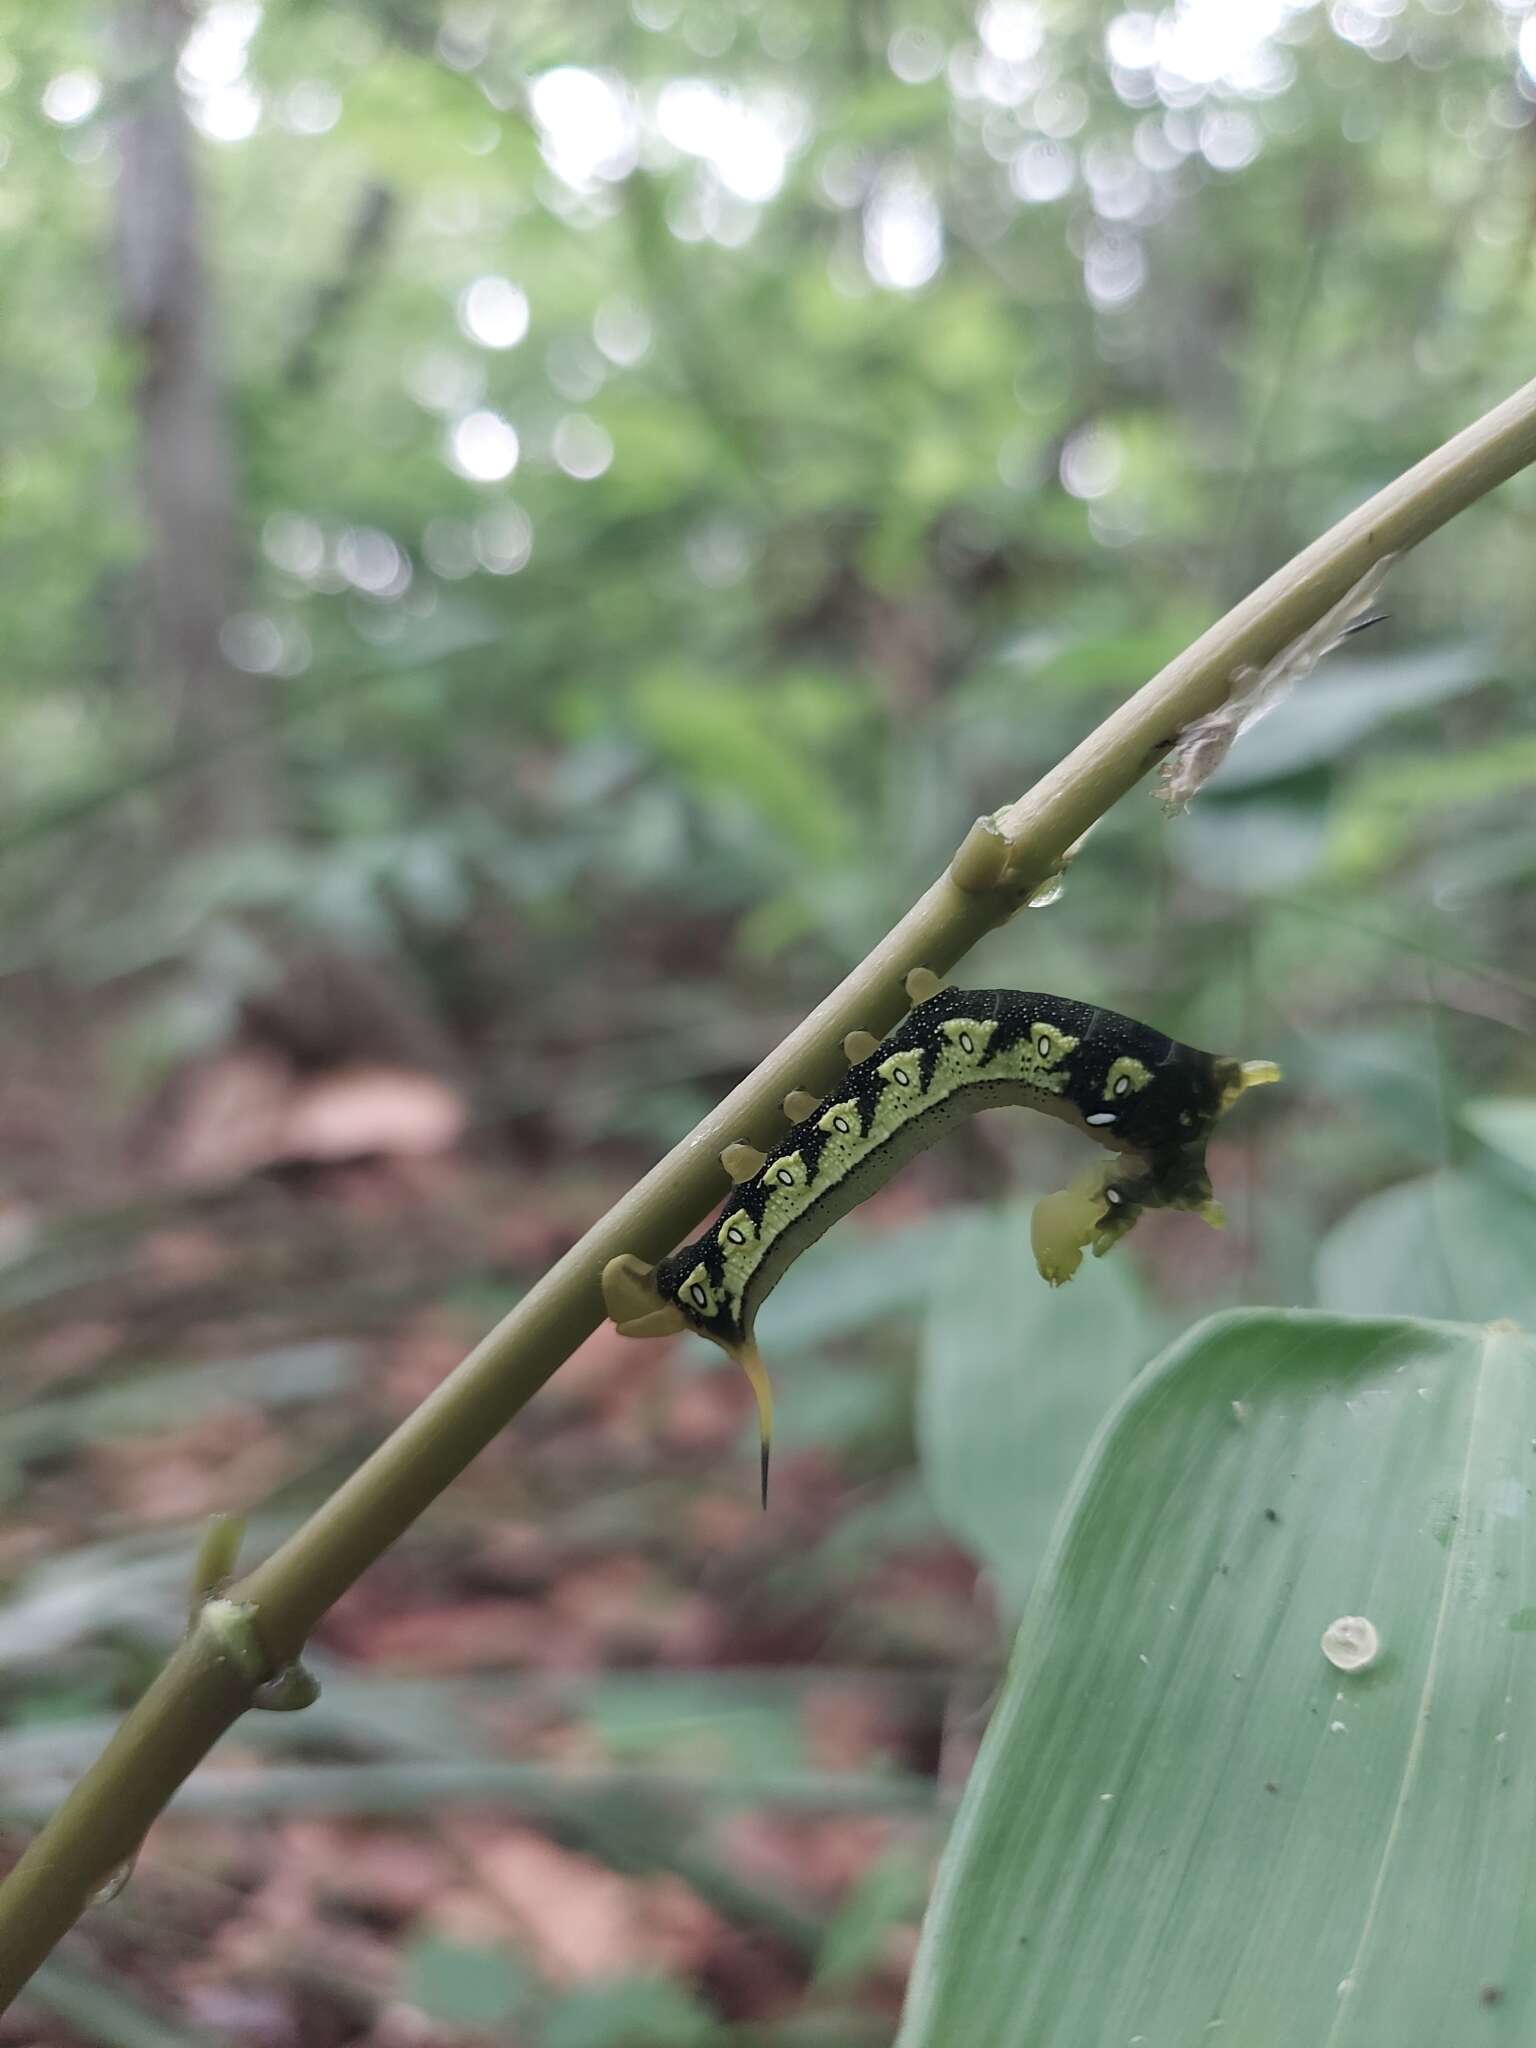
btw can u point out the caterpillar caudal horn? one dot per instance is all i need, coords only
(749, 1358)
(638, 1308)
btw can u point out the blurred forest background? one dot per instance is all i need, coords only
(528, 535)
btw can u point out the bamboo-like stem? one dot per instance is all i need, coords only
(201, 1691)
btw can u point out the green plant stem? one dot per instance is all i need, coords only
(199, 1694)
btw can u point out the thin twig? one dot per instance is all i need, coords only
(200, 1692)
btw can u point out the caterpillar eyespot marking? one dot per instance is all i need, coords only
(1128, 1075)
(957, 1050)
(902, 1073)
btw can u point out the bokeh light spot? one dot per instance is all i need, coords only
(294, 544)
(252, 642)
(622, 330)
(372, 563)
(903, 231)
(1043, 171)
(232, 113)
(312, 107)
(916, 55)
(71, 97)
(494, 312)
(587, 124)
(1229, 139)
(484, 447)
(503, 540)
(1011, 29)
(1114, 270)
(745, 148)
(582, 446)
(1091, 462)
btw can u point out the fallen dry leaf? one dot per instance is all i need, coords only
(355, 1112)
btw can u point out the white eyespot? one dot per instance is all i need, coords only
(735, 1237)
(1103, 1116)
(698, 1297)
(1043, 1045)
(1112, 1194)
(841, 1123)
(901, 1077)
(966, 1042)
(784, 1177)
(1123, 1085)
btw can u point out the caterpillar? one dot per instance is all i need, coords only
(1150, 1099)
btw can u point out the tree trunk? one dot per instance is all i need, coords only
(220, 719)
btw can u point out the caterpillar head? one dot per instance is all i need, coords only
(1235, 1077)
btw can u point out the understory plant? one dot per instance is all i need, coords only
(1258, 1766)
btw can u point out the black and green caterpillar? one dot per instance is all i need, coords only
(1147, 1097)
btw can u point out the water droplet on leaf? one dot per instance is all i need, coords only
(1351, 1643)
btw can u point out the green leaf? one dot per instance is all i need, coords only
(682, 1716)
(1332, 711)
(640, 2012)
(890, 1892)
(764, 749)
(1507, 1125)
(1266, 843)
(856, 1279)
(1390, 1070)
(1392, 805)
(461, 1985)
(1183, 1813)
(95, 2010)
(1446, 1245)
(1016, 1377)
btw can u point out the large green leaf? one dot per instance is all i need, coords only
(1186, 1825)
(1016, 1377)
(1449, 1244)
(1507, 1126)
(1325, 719)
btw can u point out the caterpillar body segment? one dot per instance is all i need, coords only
(1146, 1097)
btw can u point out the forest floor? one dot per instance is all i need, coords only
(604, 1754)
